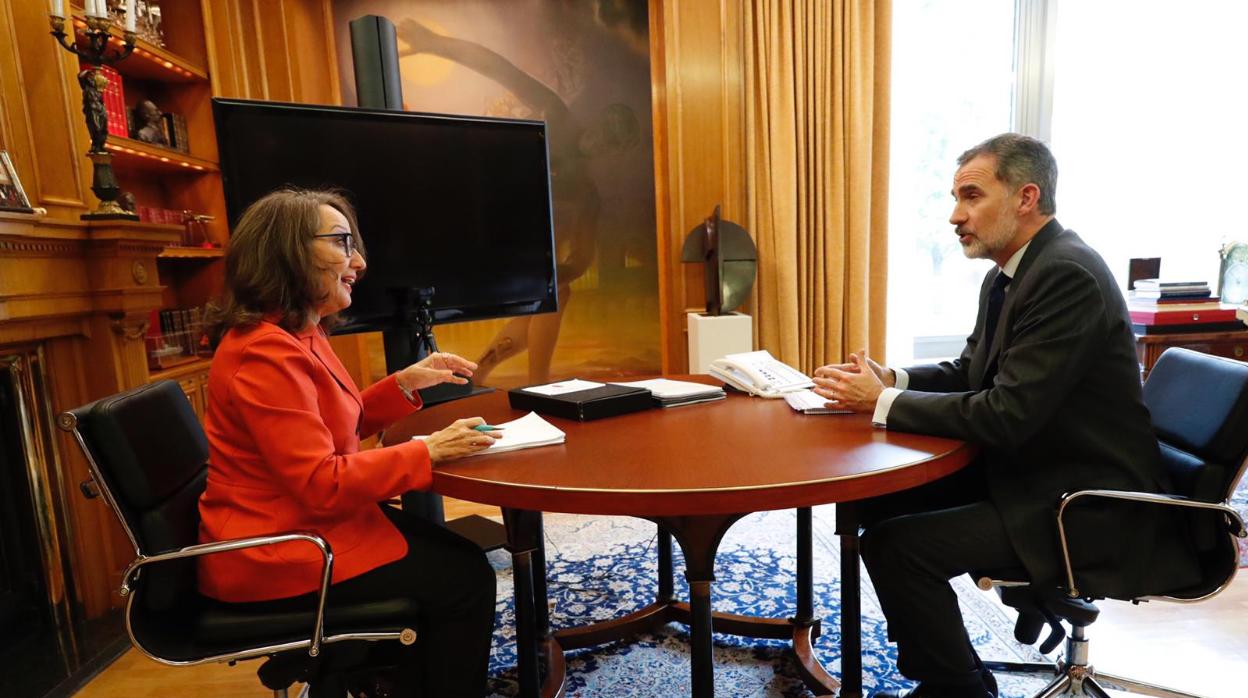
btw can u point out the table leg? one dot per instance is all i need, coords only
(806, 628)
(524, 541)
(851, 602)
(699, 538)
(666, 591)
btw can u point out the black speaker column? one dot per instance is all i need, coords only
(375, 53)
(375, 50)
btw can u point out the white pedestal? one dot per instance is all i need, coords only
(713, 336)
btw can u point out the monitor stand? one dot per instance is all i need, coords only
(405, 344)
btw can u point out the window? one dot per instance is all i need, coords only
(1148, 130)
(952, 87)
(1139, 99)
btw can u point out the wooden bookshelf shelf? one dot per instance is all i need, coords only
(149, 61)
(129, 154)
(182, 370)
(191, 253)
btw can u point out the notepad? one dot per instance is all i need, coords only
(670, 393)
(530, 431)
(810, 402)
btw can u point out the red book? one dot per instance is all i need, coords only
(1182, 317)
(114, 101)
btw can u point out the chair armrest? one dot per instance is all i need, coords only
(1236, 521)
(224, 546)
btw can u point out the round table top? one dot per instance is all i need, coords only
(742, 454)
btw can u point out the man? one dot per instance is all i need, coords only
(1048, 386)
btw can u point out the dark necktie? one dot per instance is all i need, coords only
(996, 299)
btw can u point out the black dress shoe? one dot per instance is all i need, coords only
(925, 690)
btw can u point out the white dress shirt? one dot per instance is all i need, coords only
(885, 402)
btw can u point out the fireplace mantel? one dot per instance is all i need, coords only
(81, 293)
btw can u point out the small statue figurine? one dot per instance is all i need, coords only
(127, 202)
(149, 124)
(93, 107)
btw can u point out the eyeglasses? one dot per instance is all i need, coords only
(344, 241)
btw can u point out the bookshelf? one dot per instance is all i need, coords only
(176, 78)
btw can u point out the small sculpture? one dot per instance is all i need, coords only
(127, 202)
(730, 260)
(149, 124)
(93, 84)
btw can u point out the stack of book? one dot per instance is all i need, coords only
(114, 101)
(670, 393)
(1164, 307)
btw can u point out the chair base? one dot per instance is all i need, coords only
(1083, 680)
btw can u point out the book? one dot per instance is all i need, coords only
(1182, 317)
(669, 393)
(175, 132)
(1168, 307)
(580, 400)
(529, 431)
(1141, 329)
(1155, 284)
(810, 402)
(114, 100)
(1176, 296)
(1154, 301)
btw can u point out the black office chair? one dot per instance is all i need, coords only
(148, 457)
(1199, 406)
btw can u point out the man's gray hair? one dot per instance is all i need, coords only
(1021, 160)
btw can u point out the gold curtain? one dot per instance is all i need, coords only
(816, 102)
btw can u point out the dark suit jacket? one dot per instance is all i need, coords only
(1063, 412)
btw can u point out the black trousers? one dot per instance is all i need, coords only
(914, 543)
(453, 583)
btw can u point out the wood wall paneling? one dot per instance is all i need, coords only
(99, 547)
(46, 127)
(699, 144)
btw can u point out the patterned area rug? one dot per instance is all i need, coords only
(603, 567)
(1239, 500)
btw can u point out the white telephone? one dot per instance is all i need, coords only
(759, 373)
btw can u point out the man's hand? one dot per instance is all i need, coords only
(439, 367)
(856, 385)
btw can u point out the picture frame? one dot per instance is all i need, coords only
(12, 196)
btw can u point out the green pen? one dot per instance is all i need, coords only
(487, 427)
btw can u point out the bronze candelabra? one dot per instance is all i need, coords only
(96, 53)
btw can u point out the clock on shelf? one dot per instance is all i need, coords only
(1233, 273)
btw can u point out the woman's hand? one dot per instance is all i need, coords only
(439, 367)
(459, 440)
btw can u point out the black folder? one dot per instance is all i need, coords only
(583, 405)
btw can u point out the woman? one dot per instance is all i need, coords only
(284, 423)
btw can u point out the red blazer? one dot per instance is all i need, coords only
(284, 423)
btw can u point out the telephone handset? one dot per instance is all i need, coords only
(759, 373)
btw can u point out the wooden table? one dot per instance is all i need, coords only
(694, 471)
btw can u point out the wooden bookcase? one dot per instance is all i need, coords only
(176, 78)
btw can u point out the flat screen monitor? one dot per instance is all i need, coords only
(461, 205)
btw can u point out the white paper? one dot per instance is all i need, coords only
(527, 432)
(665, 388)
(570, 386)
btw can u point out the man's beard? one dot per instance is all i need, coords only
(984, 244)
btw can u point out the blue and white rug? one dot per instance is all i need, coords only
(603, 567)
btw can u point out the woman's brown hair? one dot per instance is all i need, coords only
(271, 269)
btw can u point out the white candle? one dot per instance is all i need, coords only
(88, 7)
(130, 15)
(58, 8)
